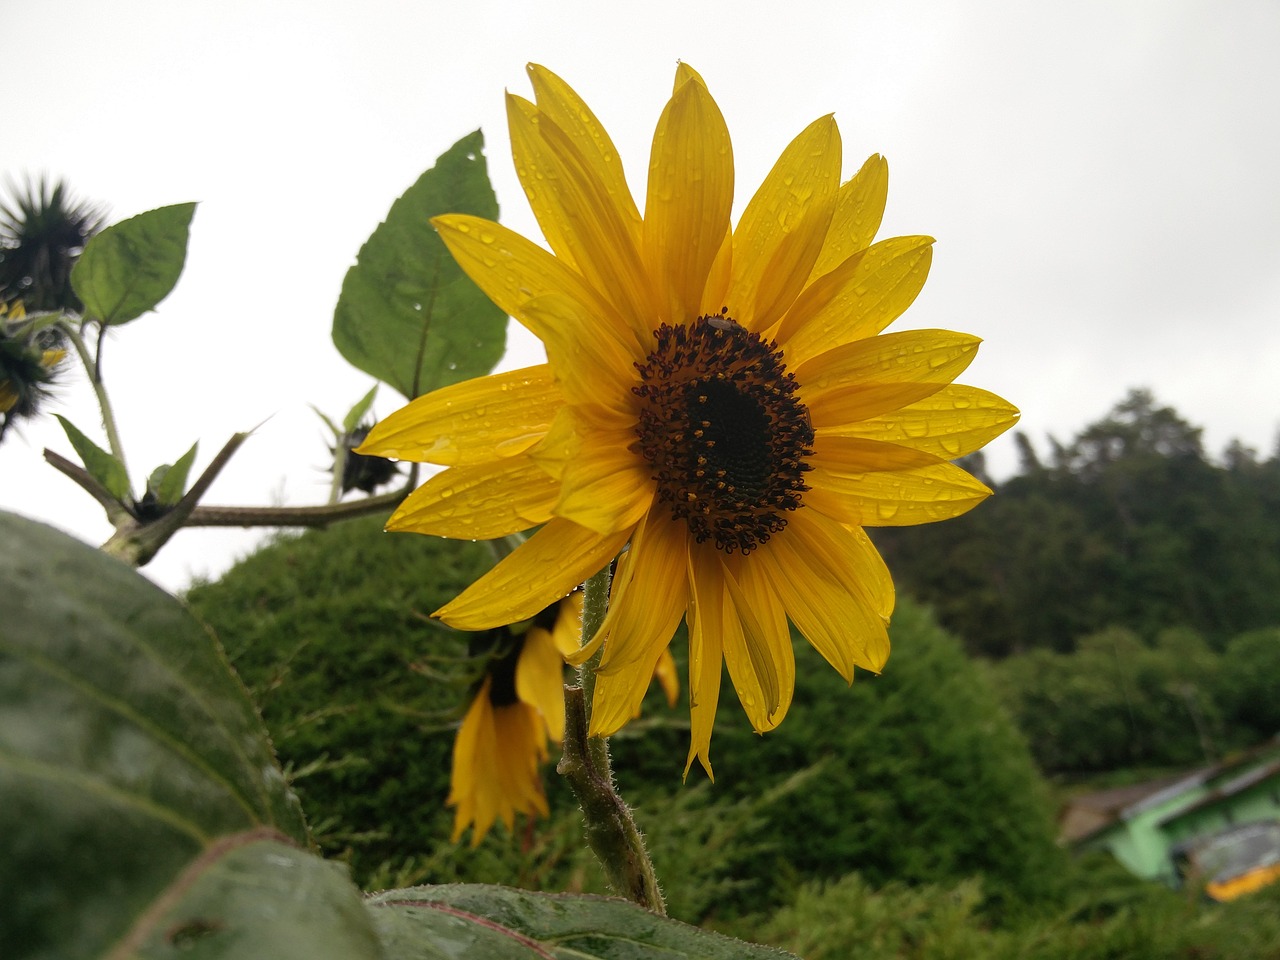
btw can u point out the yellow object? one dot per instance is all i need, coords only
(502, 741)
(717, 399)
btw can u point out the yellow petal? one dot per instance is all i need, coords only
(462, 788)
(934, 356)
(716, 292)
(521, 746)
(479, 502)
(513, 271)
(893, 499)
(567, 633)
(859, 210)
(841, 406)
(687, 210)
(855, 456)
(475, 421)
(759, 656)
(495, 766)
(557, 449)
(540, 571)
(951, 423)
(668, 677)
(540, 679)
(580, 221)
(558, 101)
(707, 623)
(591, 367)
(831, 590)
(857, 299)
(649, 597)
(685, 73)
(606, 487)
(783, 227)
(527, 150)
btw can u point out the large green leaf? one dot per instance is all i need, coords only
(407, 314)
(498, 923)
(131, 266)
(128, 749)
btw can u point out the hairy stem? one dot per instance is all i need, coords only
(611, 829)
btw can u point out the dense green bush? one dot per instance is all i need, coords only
(1119, 918)
(358, 689)
(917, 775)
(1247, 682)
(1120, 702)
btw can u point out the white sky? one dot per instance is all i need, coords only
(1102, 178)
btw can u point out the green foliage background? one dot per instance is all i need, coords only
(905, 815)
(327, 630)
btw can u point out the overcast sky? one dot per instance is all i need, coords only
(1102, 179)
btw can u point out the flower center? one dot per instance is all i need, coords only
(723, 430)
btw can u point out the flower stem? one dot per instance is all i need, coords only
(612, 833)
(93, 369)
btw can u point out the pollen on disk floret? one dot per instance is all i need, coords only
(723, 430)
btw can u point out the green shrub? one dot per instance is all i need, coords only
(326, 630)
(916, 776)
(1247, 679)
(1118, 702)
(1111, 917)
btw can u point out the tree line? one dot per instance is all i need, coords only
(1130, 524)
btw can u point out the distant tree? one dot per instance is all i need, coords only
(1129, 525)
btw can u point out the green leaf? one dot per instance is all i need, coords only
(131, 266)
(407, 314)
(253, 896)
(499, 923)
(168, 482)
(133, 766)
(333, 427)
(356, 413)
(102, 466)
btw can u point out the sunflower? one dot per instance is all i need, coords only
(718, 400)
(518, 706)
(28, 360)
